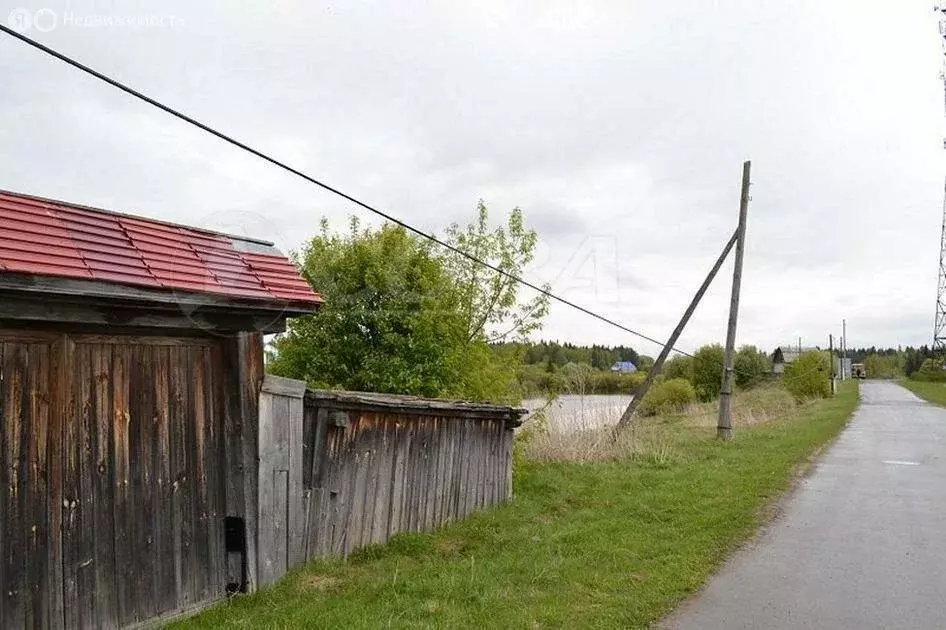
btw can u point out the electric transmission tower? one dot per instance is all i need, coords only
(939, 326)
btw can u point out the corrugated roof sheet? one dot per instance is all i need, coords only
(54, 238)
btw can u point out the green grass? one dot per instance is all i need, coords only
(930, 392)
(596, 544)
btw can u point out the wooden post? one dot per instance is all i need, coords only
(658, 364)
(833, 374)
(724, 426)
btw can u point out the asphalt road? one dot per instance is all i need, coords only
(860, 544)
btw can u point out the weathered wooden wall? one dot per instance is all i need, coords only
(113, 477)
(373, 466)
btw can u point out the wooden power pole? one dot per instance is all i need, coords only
(724, 426)
(833, 362)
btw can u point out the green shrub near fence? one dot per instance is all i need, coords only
(808, 376)
(667, 397)
(931, 371)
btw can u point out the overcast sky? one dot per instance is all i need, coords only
(618, 127)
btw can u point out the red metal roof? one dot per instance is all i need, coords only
(54, 238)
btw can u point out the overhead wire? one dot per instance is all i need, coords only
(282, 165)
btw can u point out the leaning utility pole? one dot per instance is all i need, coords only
(724, 426)
(659, 363)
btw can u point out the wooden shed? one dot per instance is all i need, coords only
(131, 362)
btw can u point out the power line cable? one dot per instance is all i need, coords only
(282, 165)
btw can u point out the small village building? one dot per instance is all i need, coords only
(784, 355)
(624, 367)
(131, 361)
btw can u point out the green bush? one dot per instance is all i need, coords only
(931, 371)
(751, 367)
(679, 367)
(808, 376)
(667, 397)
(708, 371)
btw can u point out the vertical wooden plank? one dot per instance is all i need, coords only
(177, 455)
(61, 369)
(493, 459)
(450, 436)
(296, 515)
(142, 431)
(399, 486)
(267, 542)
(397, 477)
(216, 581)
(330, 517)
(165, 588)
(417, 475)
(84, 512)
(201, 546)
(373, 438)
(318, 498)
(362, 456)
(507, 460)
(469, 465)
(38, 533)
(122, 454)
(443, 461)
(461, 482)
(71, 524)
(443, 466)
(103, 487)
(432, 478)
(480, 461)
(14, 369)
(280, 455)
(349, 464)
(231, 390)
(382, 483)
(250, 352)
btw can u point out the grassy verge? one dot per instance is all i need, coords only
(930, 392)
(603, 543)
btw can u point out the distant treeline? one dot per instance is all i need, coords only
(558, 354)
(890, 362)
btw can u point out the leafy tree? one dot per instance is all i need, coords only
(490, 302)
(397, 318)
(751, 366)
(390, 321)
(708, 371)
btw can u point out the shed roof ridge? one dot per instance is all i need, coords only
(139, 217)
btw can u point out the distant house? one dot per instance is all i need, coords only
(784, 355)
(624, 367)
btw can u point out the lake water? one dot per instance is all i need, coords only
(575, 412)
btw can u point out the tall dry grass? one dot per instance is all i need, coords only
(658, 439)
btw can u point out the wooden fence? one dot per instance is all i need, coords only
(342, 470)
